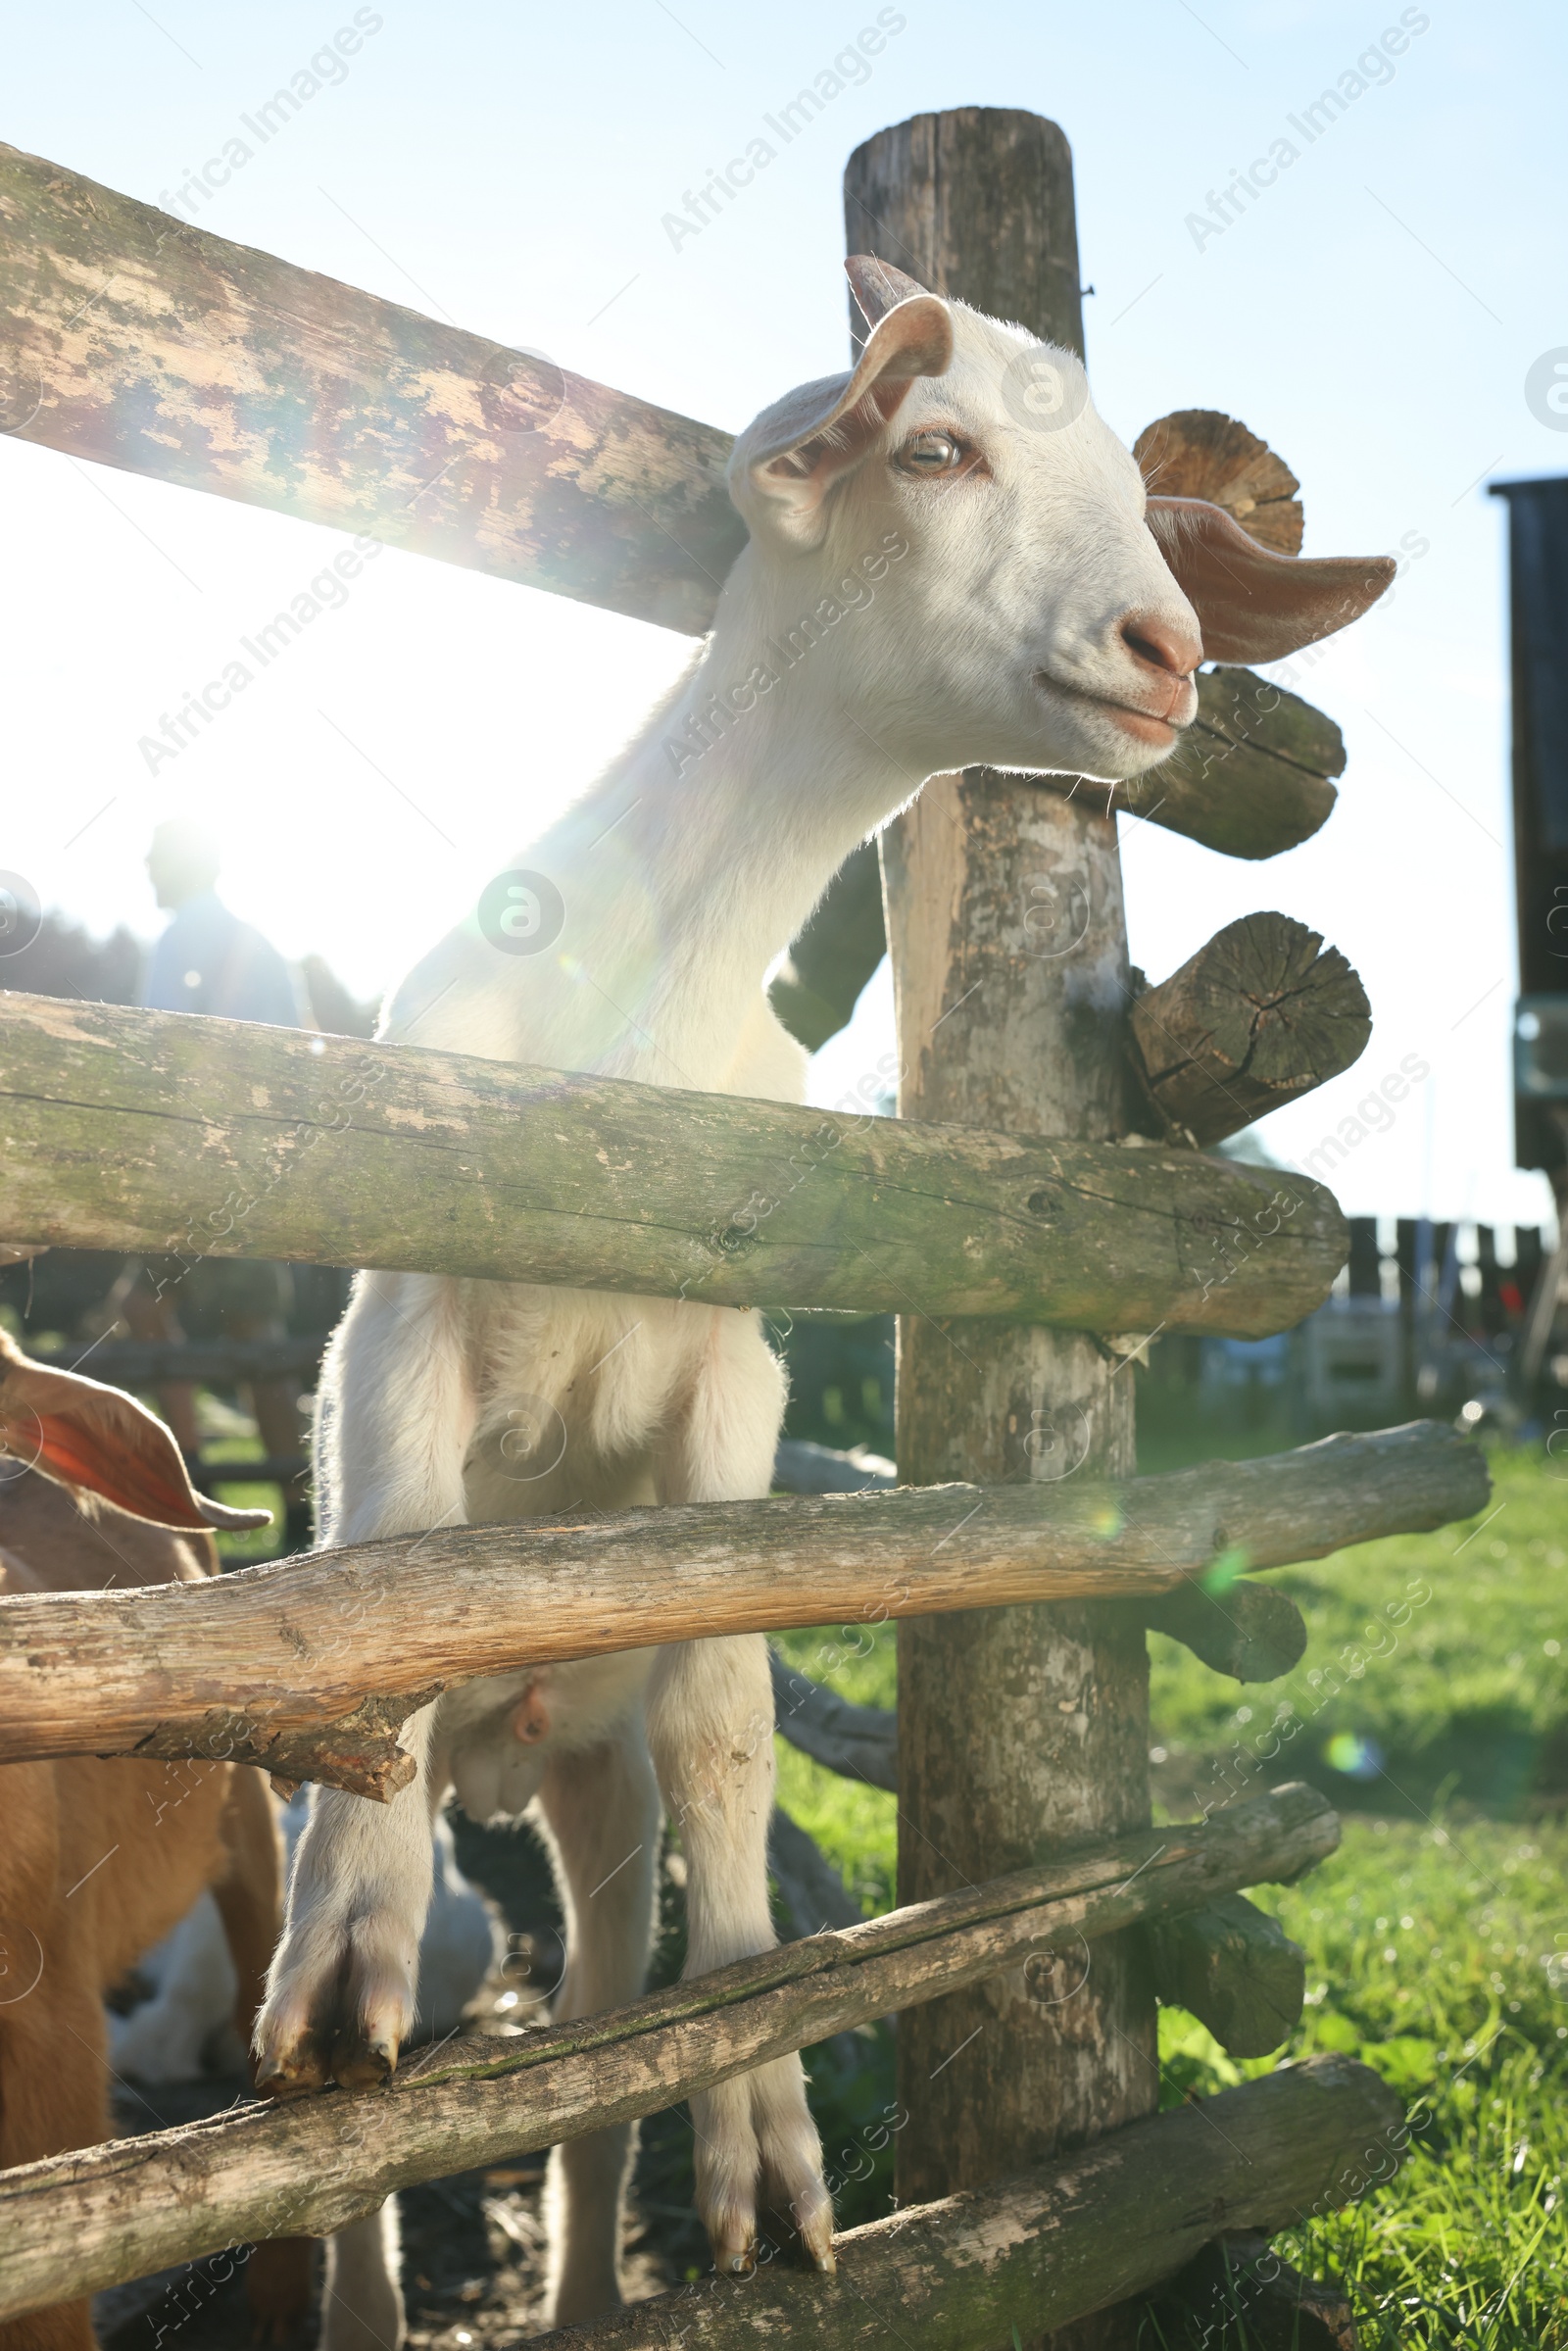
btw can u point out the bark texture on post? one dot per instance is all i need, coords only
(1018, 1728)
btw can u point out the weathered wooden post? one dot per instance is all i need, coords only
(1019, 1728)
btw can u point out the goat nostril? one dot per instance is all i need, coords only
(1174, 651)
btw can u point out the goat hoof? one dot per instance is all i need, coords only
(812, 2215)
(361, 2063)
(292, 2073)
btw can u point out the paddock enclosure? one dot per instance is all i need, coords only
(1037, 1213)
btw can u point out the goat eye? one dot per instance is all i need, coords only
(932, 453)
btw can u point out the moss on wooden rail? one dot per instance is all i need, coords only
(136, 340)
(72, 2224)
(163, 1131)
(311, 1666)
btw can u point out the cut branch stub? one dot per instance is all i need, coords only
(1236, 1970)
(1250, 1630)
(1258, 1018)
(1249, 778)
(834, 953)
(1200, 452)
(1241, 2277)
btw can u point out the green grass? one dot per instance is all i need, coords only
(1439, 1957)
(1436, 1939)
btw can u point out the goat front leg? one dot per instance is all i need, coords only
(340, 1994)
(711, 1734)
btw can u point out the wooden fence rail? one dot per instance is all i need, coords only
(77, 2223)
(1017, 2261)
(134, 339)
(232, 1140)
(311, 1666)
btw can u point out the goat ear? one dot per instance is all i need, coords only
(785, 464)
(1252, 604)
(879, 287)
(81, 1433)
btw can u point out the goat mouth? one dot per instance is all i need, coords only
(1147, 725)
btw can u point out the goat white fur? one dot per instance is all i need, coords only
(1021, 615)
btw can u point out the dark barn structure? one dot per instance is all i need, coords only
(1538, 597)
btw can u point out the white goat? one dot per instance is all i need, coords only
(963, 545)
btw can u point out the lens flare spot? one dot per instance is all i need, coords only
(1356, 1757)
(1230, 1563)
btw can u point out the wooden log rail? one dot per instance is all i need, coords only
(1018, 2261)
(131, 339)
(1229, 1964)
(232, 1140)
(74, 2223)
(309, 1666)
(859, 1742)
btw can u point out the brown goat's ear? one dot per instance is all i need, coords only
(785, 464)
(1252, 604)
(879, 287)
(101, 1440)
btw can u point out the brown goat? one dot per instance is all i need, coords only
(100, 1859)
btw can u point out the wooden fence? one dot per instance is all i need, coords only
(1041, 1201)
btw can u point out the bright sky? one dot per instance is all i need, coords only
(1373, 315)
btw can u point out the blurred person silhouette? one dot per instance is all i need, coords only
(209, 961)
